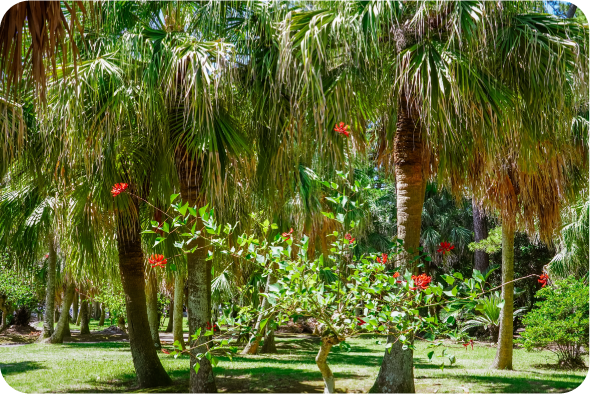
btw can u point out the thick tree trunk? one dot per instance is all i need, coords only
(170, 325)
(198, 277)
(84, 315)
(152, 308)
(503, 358)
(56, 315)
(75, 308)
(252, 346)
(102, 314)
(480, 228)
(396, 374)
(148, 367)
(321, 361)
(177, 311)
(48, 320)
(4, 310)
(269, 345)
(63, 325)
(96, 310)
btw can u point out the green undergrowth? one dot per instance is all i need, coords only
(107, 367)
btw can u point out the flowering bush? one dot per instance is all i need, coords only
(559, 323)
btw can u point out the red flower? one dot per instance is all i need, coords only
(287, 235)
(47, 255)
(165, 351)
(361, 322)
(342, 129)
(158, 260)
(421, 281)
(118, 188)
(396, 274)
(445, 247)
(471, 343)
(543, 279)
(383, 259)
(349, 238)
(209, 325)
(465, 345)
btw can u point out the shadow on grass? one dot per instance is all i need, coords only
(97, 345)
(23, 366)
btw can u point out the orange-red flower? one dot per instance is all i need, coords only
(349, 238)
(421, 281)
(287, 235)
(165, 351)
(118, 188)
(158, 260)
(383, 259)
(445, 247)
(543, 279)
(396, 274)
(342, 129)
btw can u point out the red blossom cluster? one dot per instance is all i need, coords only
(118, 188)
(213, 327)
(468, 343)
(342, 129)
(287, 235)
(421, 281)
(543, 279)
(383, 259)
(349, 238)
(158, 260)
(361, 322)
(445, 247)
(165, 351)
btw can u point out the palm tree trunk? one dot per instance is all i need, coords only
(252, 346)
(148, 367)
(152, 308)
(198, 280)
(102, 315)
(75, 307)
(63, 325)
(480, 228)
(96, 310)
(177, 311)
(503, 358)
(396, 374)
(170, 326)
(321, 361)
(269, 345)
(48, 319)
(84, 315)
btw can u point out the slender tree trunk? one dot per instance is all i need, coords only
(102, 314)
(170, 325)
(75, 308)
(121, 323)
(321, 361)
(396, 374)
(48, 320)
(252, 346)
(571, 11)
(148, 368)
(152, 308)
(503, 358)
(198, 279)
(56, 314)
(177, 311)
(63, 325)
(480, 228)
(84, 315)
(96, 310)
(4, 310)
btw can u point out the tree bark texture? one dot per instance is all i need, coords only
(269, 345)
(96, 310)
(396, 374)
(480, 229)
(75, 307)
(148, 368)
(177, 311)
(322, 362)
(503, 359)
(152, 308)
(48, 319)
(63, 325)
(170, 326)
(198, 279)
(252, 346)
(84, 315)
(102, 314)
(121, 323)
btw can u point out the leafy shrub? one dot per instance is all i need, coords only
(559, 322)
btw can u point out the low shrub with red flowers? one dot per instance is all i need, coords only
(118, 188)
(383, 259)
(421, 281)
(349, 238)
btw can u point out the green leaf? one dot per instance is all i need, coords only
(148, 232)
(192, 211)
(430, 354)
(197, 366)
(173, 197)
(183, 209)
(166, 227)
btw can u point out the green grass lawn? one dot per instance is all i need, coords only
(107, 367)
